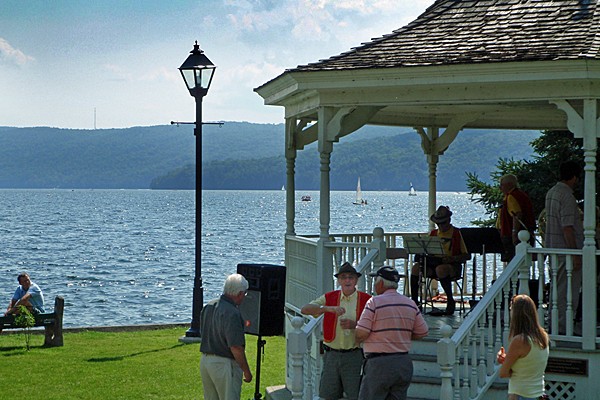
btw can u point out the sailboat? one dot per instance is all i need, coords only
(412, 191)
(359, 199)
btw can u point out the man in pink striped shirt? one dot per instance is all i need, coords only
(388, 324)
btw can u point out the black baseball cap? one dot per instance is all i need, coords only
(387, 273)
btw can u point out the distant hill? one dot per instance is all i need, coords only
(109, 158)
(382, 162)
(238, 155)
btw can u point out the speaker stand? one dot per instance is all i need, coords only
(260, 351)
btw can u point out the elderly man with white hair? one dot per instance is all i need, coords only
(387, 326)
(223, 360)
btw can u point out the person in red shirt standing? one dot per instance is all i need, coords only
(343, 357)
(516, 214)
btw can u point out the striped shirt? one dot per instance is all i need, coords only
(562, 211)
(391, 320)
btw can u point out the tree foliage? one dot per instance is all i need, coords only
(24, 319)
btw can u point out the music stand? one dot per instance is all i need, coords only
(481, 241)
(425, 245)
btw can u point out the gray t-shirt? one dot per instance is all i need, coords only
(222, 327)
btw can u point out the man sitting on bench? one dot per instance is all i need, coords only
(28, 294)
(445, 268)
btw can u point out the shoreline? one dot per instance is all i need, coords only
(107, 328)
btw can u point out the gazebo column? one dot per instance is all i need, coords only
(434, 145)
(433, 159)
(325, 146)
(586, 127)
(290, 184)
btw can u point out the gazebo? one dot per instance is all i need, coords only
(486, 64)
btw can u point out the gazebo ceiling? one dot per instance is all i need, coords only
(491, 63)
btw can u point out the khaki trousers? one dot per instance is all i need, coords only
(221, 378)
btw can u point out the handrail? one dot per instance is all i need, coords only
(476, 313)
(467, 358)
(312, 324)
(367, 260)
(480, 335)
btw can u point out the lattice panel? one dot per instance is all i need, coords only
(560, 390)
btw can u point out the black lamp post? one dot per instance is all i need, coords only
(197, 71)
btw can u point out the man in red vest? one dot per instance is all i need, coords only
(515, 214)
(343, 356)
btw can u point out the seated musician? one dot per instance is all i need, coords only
(445, 268)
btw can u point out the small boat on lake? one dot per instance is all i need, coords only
(306, 198)
(359, 199)
(412, 191)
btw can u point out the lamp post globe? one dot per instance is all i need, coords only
(197, 72)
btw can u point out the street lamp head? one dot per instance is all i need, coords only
(197, 72)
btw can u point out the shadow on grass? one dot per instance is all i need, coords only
(12, 350)
(121, 358)
(18, 350)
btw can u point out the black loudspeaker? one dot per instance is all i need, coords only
(262, 309)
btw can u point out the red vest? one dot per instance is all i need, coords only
(330, 319)
(506, 220)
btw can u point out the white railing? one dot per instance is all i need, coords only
(468, 358)
(304, 334)
(363, 251)
(301, 271)
(481, 270)
(303, 369)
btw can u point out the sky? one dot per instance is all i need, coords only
(86, 64)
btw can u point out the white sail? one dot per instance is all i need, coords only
(359, 198)
(412, 191)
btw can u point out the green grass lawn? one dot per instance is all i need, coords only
(124, 365)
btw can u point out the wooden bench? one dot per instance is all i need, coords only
(52, 323)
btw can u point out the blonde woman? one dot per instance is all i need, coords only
(525, 361)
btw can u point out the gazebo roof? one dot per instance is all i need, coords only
(480, 31)
(484, 63)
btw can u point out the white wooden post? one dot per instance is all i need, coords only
(379, 244)
(296, 347)
(446, 355)
(290, 164)
(521, 248)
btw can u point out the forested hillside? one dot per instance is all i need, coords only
(238, 155)
(383, 163)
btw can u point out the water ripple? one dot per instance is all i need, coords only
(127, 256)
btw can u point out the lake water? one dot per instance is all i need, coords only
(122, 257)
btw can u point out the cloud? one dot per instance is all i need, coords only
(9, 53)
(318, 20)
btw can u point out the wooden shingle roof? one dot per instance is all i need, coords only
(480, 31)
